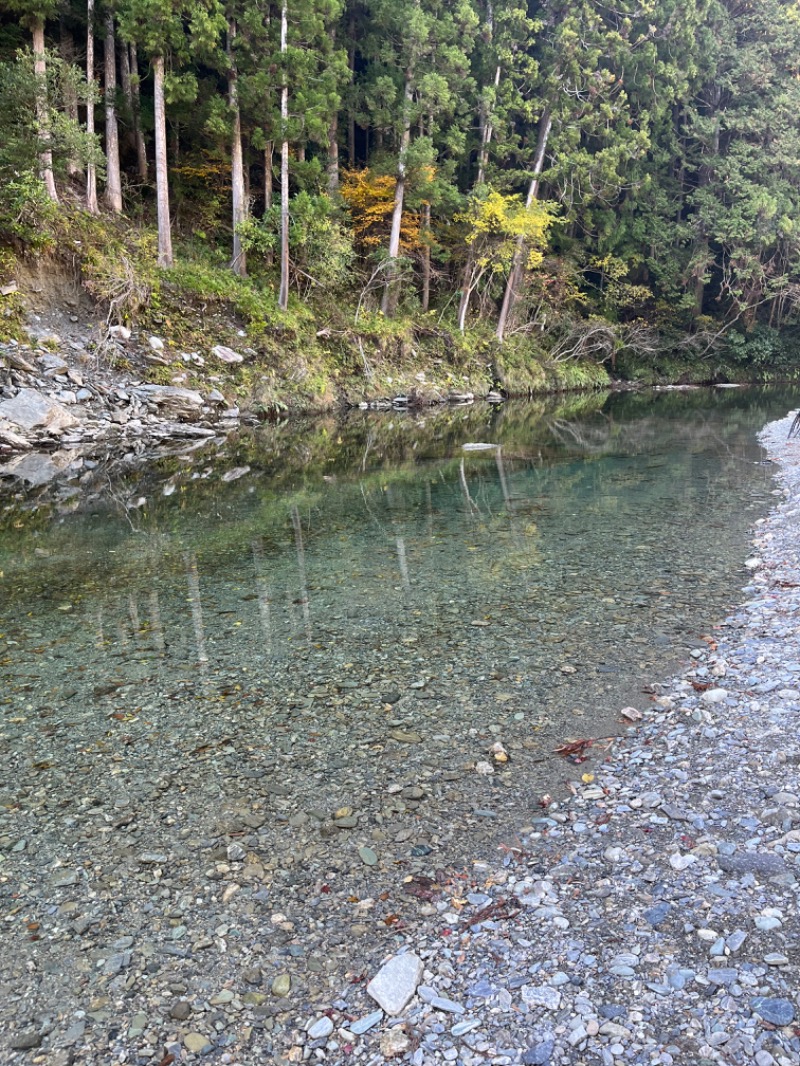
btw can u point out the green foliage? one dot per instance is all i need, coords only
(26, 212)
(320, 246)
(20, 136)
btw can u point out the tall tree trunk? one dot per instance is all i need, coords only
(67, 49)
(91, 169)
(390, 291)
(269, 183)
(333, 135)
(162, 174)
(42, 110)
(269, 150)
(283, 295)
(515, 274)
(426, 258)
(113, 176)
(124, 58)
(351, 118)
(239, 262)
(141, 151)
(333, 153)
(487, 130)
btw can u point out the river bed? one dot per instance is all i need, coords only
(317, 663)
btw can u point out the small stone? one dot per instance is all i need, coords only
(367, 856)
(226, 355)
(65, 880)
(180, 1010)
(657, 915)
(756, 862)
(735, 940)
(465, 1026)
(395, 1042)
(776, 959)
(447, 1005)
(197, 1043)
(281, 985)
(767, 922)
(320, 1029)
(25, 1041)
(541, 996)
(681, 862)
(363, 1025)
(774, 1011)
(539, 1054)
(714, 695)
(396, 982)
(403, 736)
(614, 1030)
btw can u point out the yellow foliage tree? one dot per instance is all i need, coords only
(370, 200)
(495, 223)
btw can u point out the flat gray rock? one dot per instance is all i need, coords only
(396, 982)
(29, 410)
(756, 862)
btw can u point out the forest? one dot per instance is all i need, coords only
(588, 178)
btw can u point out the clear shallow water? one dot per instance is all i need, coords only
(372, 606)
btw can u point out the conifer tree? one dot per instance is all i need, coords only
(167, 28)
(33, 15)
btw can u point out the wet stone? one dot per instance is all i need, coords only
(25, 1041)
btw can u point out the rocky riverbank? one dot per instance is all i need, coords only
(649, 918)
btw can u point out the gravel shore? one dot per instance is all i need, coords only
(650, 918)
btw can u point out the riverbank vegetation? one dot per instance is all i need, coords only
(538, 194)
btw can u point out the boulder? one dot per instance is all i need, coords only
(30, 410)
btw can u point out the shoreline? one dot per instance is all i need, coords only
(65, 409)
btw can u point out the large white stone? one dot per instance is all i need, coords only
(396, 982)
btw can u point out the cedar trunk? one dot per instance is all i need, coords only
(283, 295)
(487, 129)
(391, 289)
(42, 111)
(239, 261)
(91, 170)
(113, 177)
(141, 152)
(162, 174)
